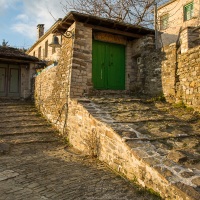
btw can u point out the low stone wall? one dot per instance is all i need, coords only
(188, 84)
(168, 70)
(52, 89)
(181, 76)
(175, 75)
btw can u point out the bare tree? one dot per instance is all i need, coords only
(137, 12)
(4, 44)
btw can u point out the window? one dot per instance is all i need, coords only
(34, 53)
(188, 11)
(39, 52)
(164, 22)
(46, 49)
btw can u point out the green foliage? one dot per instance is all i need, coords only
(156, 194)
(182, 105)
(179, 105)
(160, 97)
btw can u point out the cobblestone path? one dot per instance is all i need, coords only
(35, 164)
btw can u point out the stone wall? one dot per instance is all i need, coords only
(168, 70)
(146, 65)
(81, 77)
(180, 74)
(175, 75)
(188, 83)
(52, 88)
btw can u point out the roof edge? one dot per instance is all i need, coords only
(166, 4)
(73, 15)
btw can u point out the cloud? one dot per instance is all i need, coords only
(25, 29)
(5, 4)
(22, 17)
(36, 12)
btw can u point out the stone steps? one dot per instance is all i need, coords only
(25, 132)
(29, 138)
(164, 137)
(23, 119)
(18, 114)
(20, 123)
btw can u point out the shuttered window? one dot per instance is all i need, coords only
(46, 49)
(188, 11)
(164, 22)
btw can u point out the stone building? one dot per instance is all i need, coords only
(16, 71)
(178, 21)
(41, 48)
(105, 54)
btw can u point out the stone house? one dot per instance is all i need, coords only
(16, 71)
(179, 21)
(41, 48)
(103, 54)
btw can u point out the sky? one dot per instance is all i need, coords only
(19, 19)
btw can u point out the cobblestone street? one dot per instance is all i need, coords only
(35, 164)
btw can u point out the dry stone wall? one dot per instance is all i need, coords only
(52, 88)
(81, 80)
(181, 76)
(188, 84)
(175, 75)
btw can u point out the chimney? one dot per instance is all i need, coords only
(40, 28)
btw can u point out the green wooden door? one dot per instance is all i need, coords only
(108, 66)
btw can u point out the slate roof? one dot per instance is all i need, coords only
(95, 21)
(13, 54)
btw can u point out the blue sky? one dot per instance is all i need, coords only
(19, 19)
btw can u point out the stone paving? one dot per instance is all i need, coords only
(36, 164)
(165, 136)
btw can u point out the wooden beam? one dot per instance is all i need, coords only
(113, 31)
(16, 61)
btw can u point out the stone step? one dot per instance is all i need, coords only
(13, 110)
(23, 124)
(18, 119)
(30, 138)
(34, 148)
(18, 114)
(26, 130)
(15, 104)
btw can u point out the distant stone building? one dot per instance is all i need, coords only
(177, 21)
(16, 71)
(41, 48)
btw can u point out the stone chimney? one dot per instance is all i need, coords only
(40, 28)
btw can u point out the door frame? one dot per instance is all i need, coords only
(8, 68)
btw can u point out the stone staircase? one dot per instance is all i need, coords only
(21, 124)
(166, 137)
